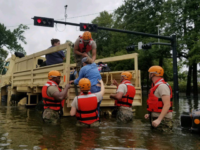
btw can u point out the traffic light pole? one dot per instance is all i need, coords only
(175, 70)
(172, 39)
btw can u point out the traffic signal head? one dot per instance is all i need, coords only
(146, 46)
(88, 27)
(42, 21)
(130, 48)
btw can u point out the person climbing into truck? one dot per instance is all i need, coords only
(124, 97)
(83, 45)
(90, 71)
(84, 106)
(56, 57)
(159, 102)
(53, 97)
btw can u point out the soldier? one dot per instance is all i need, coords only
(82, 46)
(84, 106)
(53, 97)
(124, 97)
(159, 102)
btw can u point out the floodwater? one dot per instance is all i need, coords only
(23, 129)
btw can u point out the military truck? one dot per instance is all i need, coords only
(22, 78)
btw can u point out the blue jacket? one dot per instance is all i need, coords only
(55, 58)
(91, 72)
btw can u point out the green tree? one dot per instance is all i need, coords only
(3, 56)
(9, 41)
(182, 18)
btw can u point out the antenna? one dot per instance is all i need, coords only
(65, 12)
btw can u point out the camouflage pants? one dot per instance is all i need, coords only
(95, 124)
(124, 115)
(50, 116)
(166, 125)
(78, 59)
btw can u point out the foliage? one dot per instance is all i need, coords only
(3, 55)
(10, 39)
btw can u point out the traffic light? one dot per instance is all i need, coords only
(130, 48)
(88, 27)
(146, 46)
(42, 21)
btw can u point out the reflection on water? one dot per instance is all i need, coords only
(22, 128)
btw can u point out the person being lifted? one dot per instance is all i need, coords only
(159, 102)
(53, 97)
(84, 106)
(124, 97)
(90, 71)
(82, 46)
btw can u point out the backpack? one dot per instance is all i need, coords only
(103, 67)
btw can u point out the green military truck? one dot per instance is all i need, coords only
(22, 78)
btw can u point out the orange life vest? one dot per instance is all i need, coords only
(50, 102)
(127, 99)
(87, 108)
(82, 47)
(155, 104)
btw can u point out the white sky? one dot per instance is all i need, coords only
(15, 12)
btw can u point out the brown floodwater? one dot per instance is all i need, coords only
(23, 129)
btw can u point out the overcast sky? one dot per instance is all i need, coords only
(15, 12)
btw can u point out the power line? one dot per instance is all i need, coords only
(67, 18)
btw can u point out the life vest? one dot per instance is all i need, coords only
(50, 102)
(87, 108)
(82, 48)
(155, 104)
(127, 99)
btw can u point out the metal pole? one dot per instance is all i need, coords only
(158, 34)
(73, 24)
(137, 33)
(169, 44)
(175, 71)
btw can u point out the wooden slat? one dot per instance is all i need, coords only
(47, 69)
(44, 52)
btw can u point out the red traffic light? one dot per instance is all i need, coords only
(39, 20)
(43, 21)
(85, 26)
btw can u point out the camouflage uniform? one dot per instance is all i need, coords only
(95, 124)
(50, 116)
(124, 114)
(166, 125)
(78, 59)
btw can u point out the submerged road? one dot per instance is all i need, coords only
(22, 128)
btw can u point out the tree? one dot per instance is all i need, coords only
(3, 56)
(9, 41)
(182, 18)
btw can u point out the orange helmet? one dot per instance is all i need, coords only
(127, 75)
(157, 70)
(54, 73)
(87, 36)
(84, 84)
